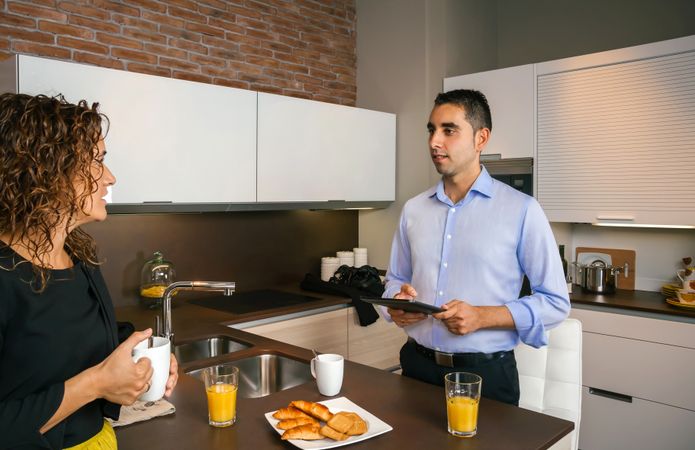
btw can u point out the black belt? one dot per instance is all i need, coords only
(458, 359)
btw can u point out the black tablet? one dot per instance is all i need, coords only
(405, 305)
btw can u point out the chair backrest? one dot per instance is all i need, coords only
(550, 377)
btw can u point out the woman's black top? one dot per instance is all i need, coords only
(45, 339)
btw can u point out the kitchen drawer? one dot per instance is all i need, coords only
(643, 328)
(377, 345)
(609, 424)
(632, 367)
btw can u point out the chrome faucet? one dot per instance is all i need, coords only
(226, 287)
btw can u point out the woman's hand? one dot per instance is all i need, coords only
(173, 376)
(118, 379)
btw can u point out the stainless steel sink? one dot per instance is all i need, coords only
(262, 375)
(207, 348)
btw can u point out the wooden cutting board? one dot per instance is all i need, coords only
(618, 258)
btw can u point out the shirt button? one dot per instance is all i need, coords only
(446, 264)
(441, 292)
(448, 236)
(452, 210)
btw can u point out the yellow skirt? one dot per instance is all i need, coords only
(103, 440)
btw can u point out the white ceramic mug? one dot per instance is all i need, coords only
(328, 371)
(160, 357)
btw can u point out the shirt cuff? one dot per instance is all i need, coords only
(390, 291)
(530, 332)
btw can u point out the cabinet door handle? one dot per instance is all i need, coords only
(611, 395)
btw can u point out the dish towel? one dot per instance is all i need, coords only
(140, 411)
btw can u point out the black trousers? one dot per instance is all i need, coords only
(500, 377)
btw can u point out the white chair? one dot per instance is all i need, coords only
(550, 377)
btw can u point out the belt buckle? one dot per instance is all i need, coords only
(444, 359)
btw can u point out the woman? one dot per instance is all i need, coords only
(62, 369)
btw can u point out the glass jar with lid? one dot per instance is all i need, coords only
(157, 274)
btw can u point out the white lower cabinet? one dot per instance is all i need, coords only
(609, 424)
(325, 332)
(377, 345)
(638, 378)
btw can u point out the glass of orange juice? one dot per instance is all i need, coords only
(221, 386)
(462, 398)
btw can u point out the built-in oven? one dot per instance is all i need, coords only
(516, 172)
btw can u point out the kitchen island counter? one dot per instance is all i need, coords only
(415, 410)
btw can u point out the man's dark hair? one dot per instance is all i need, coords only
(474, 105)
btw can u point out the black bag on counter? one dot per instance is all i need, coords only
(344, 286)
(365, 278)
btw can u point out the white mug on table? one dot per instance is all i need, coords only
(328, 371)
(159, 355)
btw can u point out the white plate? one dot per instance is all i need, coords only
(375, 426)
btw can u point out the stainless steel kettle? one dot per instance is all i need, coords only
(599, 278)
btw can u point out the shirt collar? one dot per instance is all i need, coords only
(482, 185)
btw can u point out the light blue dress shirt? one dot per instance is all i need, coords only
(478, 250)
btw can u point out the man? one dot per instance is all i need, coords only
(465, 245)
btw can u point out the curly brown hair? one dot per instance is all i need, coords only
(46, 145)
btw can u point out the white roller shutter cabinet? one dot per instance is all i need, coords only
(616, 141)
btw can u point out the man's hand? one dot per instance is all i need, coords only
(407, 292)
(459, 317)
(403, 318)
(462, 318)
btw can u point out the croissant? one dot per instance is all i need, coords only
(348, 423)
(308, 432)
(289, 413)
(331, 433)
(286, 424)
(316, 410)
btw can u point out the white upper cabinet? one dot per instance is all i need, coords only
(510, 93)
(168, 140)
(212, 148)
(615, 136)
(313, 151)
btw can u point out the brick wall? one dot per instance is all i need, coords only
(299, 48)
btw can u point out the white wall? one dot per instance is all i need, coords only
(393, 76)
(404, 51)
(406, 47)
(658, 252)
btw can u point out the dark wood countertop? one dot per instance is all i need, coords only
(415, 410)
(643, 301)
